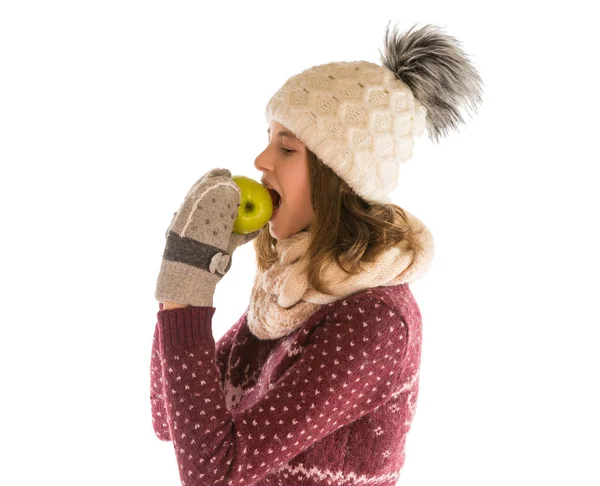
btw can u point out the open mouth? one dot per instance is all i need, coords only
(275, 197)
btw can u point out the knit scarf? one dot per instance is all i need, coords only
(281, 299)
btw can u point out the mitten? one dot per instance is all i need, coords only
(200, 241)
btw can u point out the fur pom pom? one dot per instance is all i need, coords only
(438, 73)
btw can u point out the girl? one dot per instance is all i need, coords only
(318, 380)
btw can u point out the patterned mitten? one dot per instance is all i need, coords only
(200, 241)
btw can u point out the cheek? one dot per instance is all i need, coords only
(298, 195)
(295, 185)
(306, 191)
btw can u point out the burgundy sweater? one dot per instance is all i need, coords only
(329, 404)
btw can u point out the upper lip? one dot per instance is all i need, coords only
(266, 184)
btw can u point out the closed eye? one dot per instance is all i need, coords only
(287, 151)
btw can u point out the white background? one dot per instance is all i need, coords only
(110, 111)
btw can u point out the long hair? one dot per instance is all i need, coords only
(345, 229)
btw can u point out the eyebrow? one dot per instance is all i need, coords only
(282, 133)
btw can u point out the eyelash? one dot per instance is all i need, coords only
(287, 151)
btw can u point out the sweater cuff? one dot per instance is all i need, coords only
(186, 326)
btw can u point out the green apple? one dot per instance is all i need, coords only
(256, 205)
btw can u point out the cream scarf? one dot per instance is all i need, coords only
(281, 299)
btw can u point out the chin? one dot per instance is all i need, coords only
(280, 235)
(280, 232)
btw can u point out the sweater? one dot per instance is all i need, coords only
(329, 404)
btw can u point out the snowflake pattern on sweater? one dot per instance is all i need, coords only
(329, 404)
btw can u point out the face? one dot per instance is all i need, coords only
(285, 166)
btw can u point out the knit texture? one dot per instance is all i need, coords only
(357, 117)
(200, 242)
(281, 298)
(329, 404)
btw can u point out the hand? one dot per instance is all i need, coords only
(200, 241)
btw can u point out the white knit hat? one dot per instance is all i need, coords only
(361, 118)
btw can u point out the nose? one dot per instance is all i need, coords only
(264, 162)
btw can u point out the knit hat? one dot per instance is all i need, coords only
(361, 118)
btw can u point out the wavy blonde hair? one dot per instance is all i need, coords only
(346, 228)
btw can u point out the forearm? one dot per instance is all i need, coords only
(172, 305)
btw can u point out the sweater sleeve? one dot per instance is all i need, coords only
(157, 402)
(348, 368)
